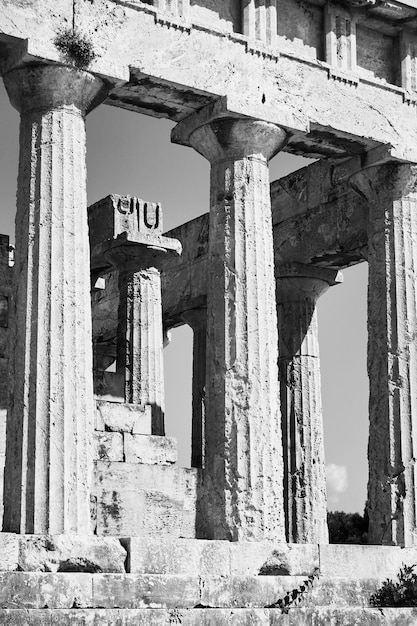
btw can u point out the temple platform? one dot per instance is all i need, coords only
(145, 580)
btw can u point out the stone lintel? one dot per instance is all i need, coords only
(323, 181)
(43, 51)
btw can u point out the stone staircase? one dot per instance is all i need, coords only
(145, 566)
(198, 582)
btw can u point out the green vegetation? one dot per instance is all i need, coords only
(347, 527)
(401, 593)
(77, 48)
(296, 596)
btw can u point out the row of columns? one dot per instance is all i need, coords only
(49, 432)
(231, 436)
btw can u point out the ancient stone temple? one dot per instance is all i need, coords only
(100, 525)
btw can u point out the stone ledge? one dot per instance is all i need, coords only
(61, 553)
(33, 590)
(36, 590)
(356, 561)
(208, 617)
(150, 449)
(168, 555)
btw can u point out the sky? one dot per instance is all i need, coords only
(128, 153)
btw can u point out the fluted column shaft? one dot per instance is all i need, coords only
(242, 476)
(140, 342)
(49, 430)
(197, 319)
(305, 499)
(392, 350)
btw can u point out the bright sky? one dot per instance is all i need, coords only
(132, 154)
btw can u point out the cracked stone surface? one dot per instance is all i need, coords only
(50, 422)
(391, 191)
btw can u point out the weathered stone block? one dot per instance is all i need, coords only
(141, 591)
(108, 446)
(136, 499)
(40, 590)
(246, 591)
(150, 449)
(355, 561)
(69, 553)
(9, 551)
(342, 592)
(165, 555)
(123, 418)
(267, 558)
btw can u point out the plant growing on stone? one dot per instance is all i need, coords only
(401, 593)
(77, 48)
(296, 596)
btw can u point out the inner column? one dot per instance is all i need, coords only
(242, 475)
(305, 500)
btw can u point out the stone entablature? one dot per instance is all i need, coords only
(194, 77)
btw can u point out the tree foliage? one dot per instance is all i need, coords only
(347, 527)
(401, 593)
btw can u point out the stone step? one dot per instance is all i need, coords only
(209, 617)
(141, 499)
(35, 590)
(60, 553)
(170, 555)
(194, 557)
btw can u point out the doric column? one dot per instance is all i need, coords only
(392, 350)
(139, 336)
(49, 431)
(242, 476)
(305, 501)
(197, 319)
(259, 19)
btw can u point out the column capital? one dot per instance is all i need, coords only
(48, 87)
(219, 133)
(296, 281)
(230, 137)
(128, 255)
(392, 179)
